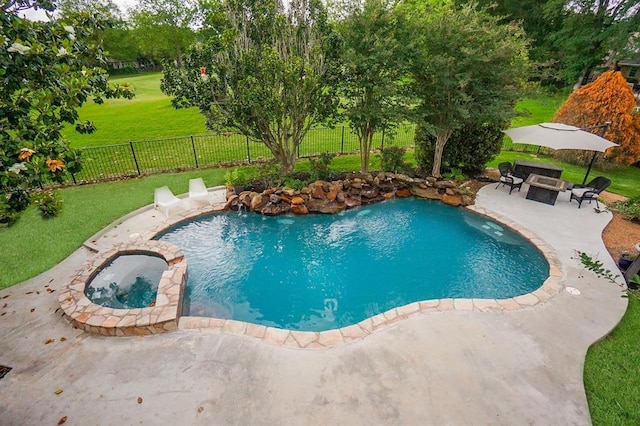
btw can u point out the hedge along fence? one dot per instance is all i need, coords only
(190, 152)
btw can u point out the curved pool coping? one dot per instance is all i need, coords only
(165, 315)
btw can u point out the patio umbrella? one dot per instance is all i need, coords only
(562, 136)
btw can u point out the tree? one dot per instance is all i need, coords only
(538, 23)
(467, 66)
(118, 39)
(373, 61)
(469, 148)
(592, 31)
(609, 98)
(44, 82)
(165, 28)
(270, 74)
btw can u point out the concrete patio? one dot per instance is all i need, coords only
(456, 367)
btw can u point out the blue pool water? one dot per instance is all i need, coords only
(320, 272)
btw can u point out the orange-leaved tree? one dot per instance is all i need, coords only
(609, 98)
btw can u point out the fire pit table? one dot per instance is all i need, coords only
(545, 189)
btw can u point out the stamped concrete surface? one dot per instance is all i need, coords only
(458, 367)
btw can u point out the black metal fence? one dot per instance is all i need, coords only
(190, 152)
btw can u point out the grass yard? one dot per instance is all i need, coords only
(148, 116)
(612, 373)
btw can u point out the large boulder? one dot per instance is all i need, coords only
(258, 202)
(297, 200)
(444, 184)
(452, 200)
(299, 209)
(333, 192)
(428, 193)
(275, 209)
(317, 191)
(403, 193)
(352, 202)
(324, 206)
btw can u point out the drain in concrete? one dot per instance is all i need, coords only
(4, 370)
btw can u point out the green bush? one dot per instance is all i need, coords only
(48, 204)
(468, 148)
(456, 174)
(320, 166)
(293, 183)
(8, 215)
(270, 174)
(392, 159)
(235, 177)
(629, 209)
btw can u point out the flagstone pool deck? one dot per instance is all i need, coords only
(438, 362)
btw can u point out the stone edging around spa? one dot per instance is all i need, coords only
(162, 316)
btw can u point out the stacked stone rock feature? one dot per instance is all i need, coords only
(354, 190)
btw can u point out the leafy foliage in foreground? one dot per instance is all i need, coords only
(48, 70)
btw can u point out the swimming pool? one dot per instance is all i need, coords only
(320, 272)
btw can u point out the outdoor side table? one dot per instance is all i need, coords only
(545, 189)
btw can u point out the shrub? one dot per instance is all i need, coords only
(270, 174)
(468, 148)
(48, 204)
(8, 216)
(235, 177)
(456, 174)
(320, 166)
(392, 159)
(629, 209)
(293, 183)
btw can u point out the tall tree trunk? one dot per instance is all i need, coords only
(441, 140)
(366, 137)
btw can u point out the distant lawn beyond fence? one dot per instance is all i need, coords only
(137, 158)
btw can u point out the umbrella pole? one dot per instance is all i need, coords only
(605, 127)
(589, 168)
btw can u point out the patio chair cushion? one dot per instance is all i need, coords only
(579, 192)
(511, 178)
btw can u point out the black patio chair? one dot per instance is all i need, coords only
(508, 178)
(590, 191)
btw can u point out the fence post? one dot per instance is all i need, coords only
(195, 155)
(248, 150)
(382, 147)
(342, 142)
(133, 152)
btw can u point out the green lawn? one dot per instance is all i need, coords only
(148, 116)
(612, 373)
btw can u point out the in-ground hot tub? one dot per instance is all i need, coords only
(129, 281)
(131, 304)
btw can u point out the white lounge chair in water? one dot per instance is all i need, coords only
(164, 199)
(198, 191)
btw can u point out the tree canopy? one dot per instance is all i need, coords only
(269, 74)
(166, 27)
(48, 70)
(607, 99)
(592, 31)
(467, 66)
(374, 57)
